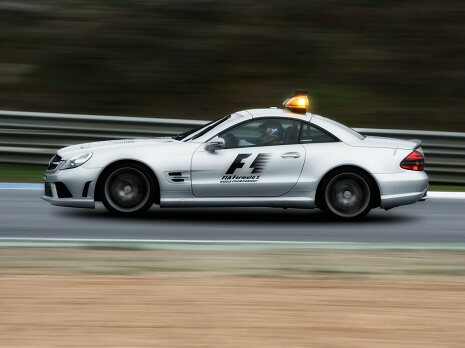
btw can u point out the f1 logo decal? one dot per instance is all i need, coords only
(237, 163)
(257, 166)
(260, 162)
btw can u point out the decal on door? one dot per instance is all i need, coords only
(256, 167)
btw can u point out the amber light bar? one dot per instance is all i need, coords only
(299, 103)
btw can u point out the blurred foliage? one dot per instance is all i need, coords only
(393, 64)
(21, 173)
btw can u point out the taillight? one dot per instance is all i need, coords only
(414, 161)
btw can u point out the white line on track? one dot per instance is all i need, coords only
(20, 186)
(445, 195)
(166, 241)
(181, 243)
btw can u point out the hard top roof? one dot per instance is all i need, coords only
(276, 112)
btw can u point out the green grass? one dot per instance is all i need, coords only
(280, 262)
(447, 188)
(21, 173)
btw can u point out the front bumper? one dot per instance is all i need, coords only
(71, 202)
(79, 186)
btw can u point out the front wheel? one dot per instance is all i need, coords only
(347, 195)
(127, 190)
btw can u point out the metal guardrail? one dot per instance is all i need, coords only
(33, 137)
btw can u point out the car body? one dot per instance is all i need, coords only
(233, 162)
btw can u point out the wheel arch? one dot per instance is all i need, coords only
(376, 199)
(119, 163)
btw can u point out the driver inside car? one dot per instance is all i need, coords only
(255, 133)
(269, 133)
(272, 133)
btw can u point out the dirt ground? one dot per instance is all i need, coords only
(211, 311)
(69, 307)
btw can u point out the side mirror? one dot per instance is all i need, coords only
(214, 144)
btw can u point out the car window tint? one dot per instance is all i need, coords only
(312, 134)
(262, 132)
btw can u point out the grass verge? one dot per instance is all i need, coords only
(250, 263)
(21, 173)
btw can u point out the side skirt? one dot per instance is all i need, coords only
(276, 202)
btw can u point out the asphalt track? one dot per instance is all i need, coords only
(24, 215)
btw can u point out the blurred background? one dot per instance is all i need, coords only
(384, 64)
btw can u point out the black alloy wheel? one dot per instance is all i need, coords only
(347, 195)
(128, 190)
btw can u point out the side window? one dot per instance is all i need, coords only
(312, 134)
(262, 132)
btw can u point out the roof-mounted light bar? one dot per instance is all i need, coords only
(299, 102)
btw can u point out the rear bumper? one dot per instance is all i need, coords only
(402, 188)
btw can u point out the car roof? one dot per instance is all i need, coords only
(276, 112)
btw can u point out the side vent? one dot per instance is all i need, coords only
(178, 177)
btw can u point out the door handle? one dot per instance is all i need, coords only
(290, 155)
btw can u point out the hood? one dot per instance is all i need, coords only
(110, 144)
(371, 141)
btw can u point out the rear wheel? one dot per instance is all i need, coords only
(347, 195)
(127, 190)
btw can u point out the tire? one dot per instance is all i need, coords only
(127, 189)
(347, 195)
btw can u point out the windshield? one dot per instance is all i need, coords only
(189, 132)
(199, 131)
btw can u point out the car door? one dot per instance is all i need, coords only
(262, 158)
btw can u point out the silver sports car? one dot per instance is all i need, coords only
(273, 157)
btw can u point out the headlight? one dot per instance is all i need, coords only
(77, 161)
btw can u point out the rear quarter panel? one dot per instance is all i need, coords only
(322, 158)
